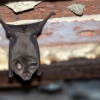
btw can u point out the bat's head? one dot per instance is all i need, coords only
(24, 57)
(25, 67)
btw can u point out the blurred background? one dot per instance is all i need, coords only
(70, 90)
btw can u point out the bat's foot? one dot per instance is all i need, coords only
(53, 13)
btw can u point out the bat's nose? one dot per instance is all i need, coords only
(26, 75)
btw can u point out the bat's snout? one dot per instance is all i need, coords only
(26, 76)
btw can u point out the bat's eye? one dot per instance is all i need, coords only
(32, 65)
(19, 65)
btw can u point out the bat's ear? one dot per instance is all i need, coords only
(39, 70)
(40, 26)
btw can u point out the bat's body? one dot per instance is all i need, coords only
(24, 56)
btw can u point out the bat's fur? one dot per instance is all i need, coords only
(24, 57)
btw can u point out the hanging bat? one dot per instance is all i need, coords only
(24, 56)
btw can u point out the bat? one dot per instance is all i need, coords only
(24, 55)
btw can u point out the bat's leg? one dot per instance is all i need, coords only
(39, 28)
(38, 53)
(7, 29)
(10, 70)
(5, 26)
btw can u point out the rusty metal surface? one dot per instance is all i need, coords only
(60, 33)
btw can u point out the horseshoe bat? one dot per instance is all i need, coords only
(24, 56)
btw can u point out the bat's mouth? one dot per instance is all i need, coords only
(26, 76)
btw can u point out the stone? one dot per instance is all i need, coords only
(22, 6)
(77, 8)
